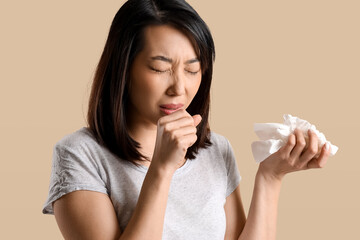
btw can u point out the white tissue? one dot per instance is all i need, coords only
(274, 135)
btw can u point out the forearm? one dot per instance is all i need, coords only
(148, 218)
(262, 216)
(293, 156)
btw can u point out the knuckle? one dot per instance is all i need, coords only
(301, 143)
(282, 155)
(195, 138)
(194, 130)
(291, 144)
(319, 164)
(166, 134)
(183, 112)
(291, 140)
(313, 135)
(313, 150)
(298, 165)
(177, 141)
(161, 121)
(290, 161)
(309, 165)
(189, 121)
(174, 137)
(182, 145)
(167, 128)
(292, 165)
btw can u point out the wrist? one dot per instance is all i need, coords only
(269, 176)
(160, 171)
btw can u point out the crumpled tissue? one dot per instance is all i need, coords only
(275, 135)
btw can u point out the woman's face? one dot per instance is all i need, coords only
(164, 76)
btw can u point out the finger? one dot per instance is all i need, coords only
(322, 159)
(179, 123)
(174, 116)
(197, 119)
(188, 140)
(289, 146)
(326, 153)
(312, 149)
(184, 131)
(300, 144)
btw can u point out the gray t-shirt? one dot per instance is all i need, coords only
(198, 190)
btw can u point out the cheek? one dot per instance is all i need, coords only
(194, 86)
(145, 87)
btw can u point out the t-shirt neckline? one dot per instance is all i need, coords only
(184, 168)
(178, 171)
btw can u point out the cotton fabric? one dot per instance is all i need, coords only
(198, 190)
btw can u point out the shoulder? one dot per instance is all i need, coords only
(81, 141)
(218, 139)
(223, 146)
(74, 139)
(219, 142)
(219, 148)
(77, 139)
(81, 153)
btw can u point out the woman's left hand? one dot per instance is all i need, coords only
(295, 155)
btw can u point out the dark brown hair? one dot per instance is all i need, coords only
(109, 94)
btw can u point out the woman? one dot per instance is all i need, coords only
(148, 166)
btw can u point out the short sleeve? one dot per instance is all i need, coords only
(72, 169)
(233, 175)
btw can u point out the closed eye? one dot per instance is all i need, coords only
(169, 70)
(159, 71)
(192, 72)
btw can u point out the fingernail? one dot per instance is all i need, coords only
(327, 146)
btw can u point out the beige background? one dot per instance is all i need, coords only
(273, 57)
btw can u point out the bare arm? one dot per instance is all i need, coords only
(176, 132)
(86, 215)
(148, 218)
(261, 222)
(262, 216)
(262, 212)
(91, 215)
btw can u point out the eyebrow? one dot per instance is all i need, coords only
(169, 60)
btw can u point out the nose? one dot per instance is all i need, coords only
(177, 84)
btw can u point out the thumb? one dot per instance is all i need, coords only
(197, 119)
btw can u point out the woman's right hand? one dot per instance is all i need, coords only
(176, 132)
